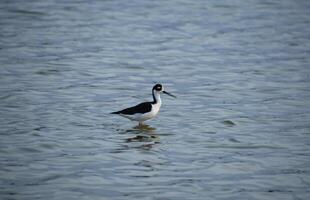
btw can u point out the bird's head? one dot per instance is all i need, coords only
(159, 88)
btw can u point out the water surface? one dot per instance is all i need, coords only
(239, 128)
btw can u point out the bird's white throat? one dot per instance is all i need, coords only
(157, 98)
(157, 104)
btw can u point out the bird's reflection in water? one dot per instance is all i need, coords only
(145, 137)
(144, 128)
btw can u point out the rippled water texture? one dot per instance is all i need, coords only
(239, 129)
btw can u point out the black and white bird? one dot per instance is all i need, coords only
(145, 110)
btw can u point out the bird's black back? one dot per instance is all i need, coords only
(140, 108)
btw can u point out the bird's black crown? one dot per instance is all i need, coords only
(158, 87)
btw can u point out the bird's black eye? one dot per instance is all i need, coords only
(157, 87)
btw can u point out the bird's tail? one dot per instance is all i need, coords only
(115, 112)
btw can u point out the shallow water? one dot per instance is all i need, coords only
(239, 128)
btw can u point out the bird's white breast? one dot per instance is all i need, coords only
(155, 108)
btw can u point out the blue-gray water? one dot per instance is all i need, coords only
(239, 129)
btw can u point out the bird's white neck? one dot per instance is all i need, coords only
(156, 98)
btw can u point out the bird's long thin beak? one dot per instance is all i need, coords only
(169, 94)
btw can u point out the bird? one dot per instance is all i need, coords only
(146, 110)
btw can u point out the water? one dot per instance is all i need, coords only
(239, 128)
